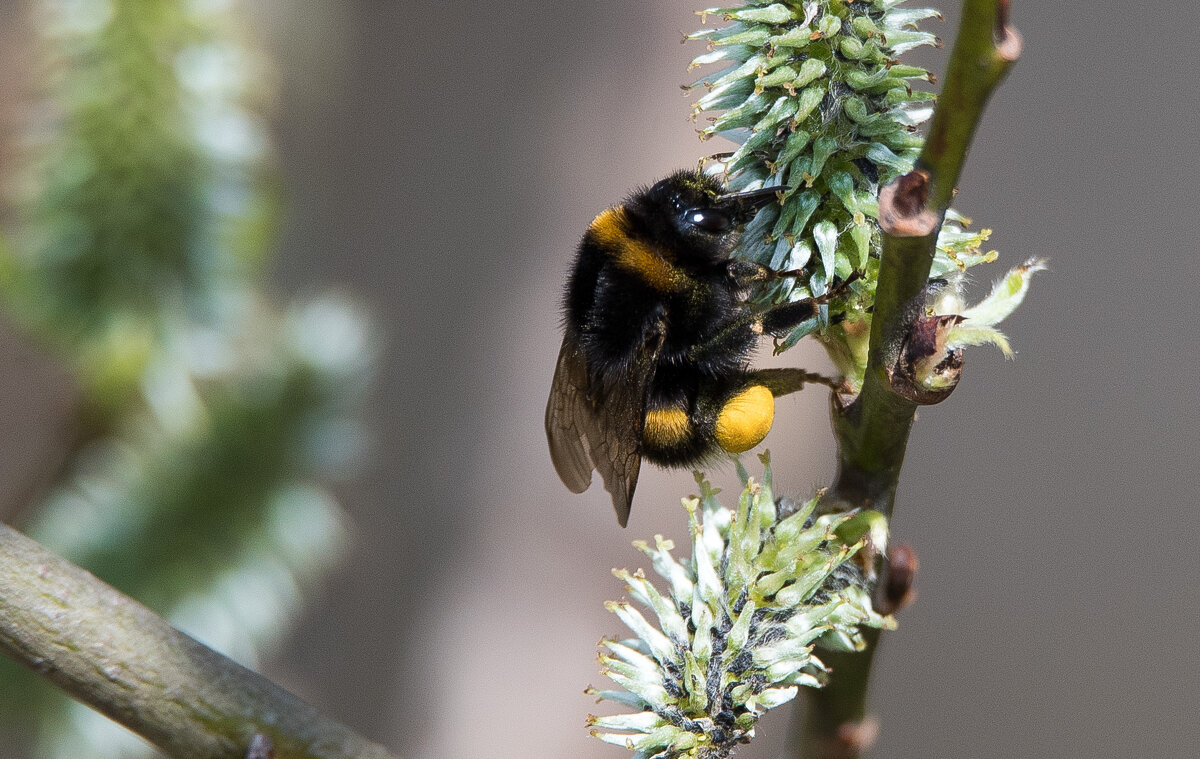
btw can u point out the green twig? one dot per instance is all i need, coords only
(872, 430)
(117, 656)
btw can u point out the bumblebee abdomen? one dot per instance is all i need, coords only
(733, 420)
(672, 437)
(666, 428)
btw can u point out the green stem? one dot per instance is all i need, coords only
(873, 429)
(843, 707)
(117, 656)
(985, 50)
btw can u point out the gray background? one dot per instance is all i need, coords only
(442, 160)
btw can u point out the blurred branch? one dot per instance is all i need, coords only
(208, 415)
(872, 430)
(117, 656)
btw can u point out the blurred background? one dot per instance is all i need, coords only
(438, 163)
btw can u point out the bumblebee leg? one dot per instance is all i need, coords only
(748, 273)
(714, 157)
(777, 321)
(784, 381)
(745, 416)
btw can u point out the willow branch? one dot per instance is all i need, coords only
(872, 430)
(118, 657)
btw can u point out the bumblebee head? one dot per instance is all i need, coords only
(690, 214)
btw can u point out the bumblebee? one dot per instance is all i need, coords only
(657, 338)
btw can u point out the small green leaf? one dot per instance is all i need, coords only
(781, 110)
(810, 98)
(825, 234)
(797, 38)
(965, 335)
(883, 155)
(753, 37)
(775, 13)
(863, 26)
(823, 148)
(794, 145)
(841, 184)
(1004, 298)
(829, 25)
(810, 70)
(861, 80)
(860, 233)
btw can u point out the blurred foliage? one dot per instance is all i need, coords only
(207, 416)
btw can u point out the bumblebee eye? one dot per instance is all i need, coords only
(709, 219)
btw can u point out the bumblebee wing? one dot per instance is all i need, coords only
(569, 420)
(597, 428)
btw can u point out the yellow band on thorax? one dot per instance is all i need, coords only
(611, 230)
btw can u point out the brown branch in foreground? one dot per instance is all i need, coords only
(121, 659)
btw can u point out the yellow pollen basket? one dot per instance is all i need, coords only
(746, 419)
(665, 427)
